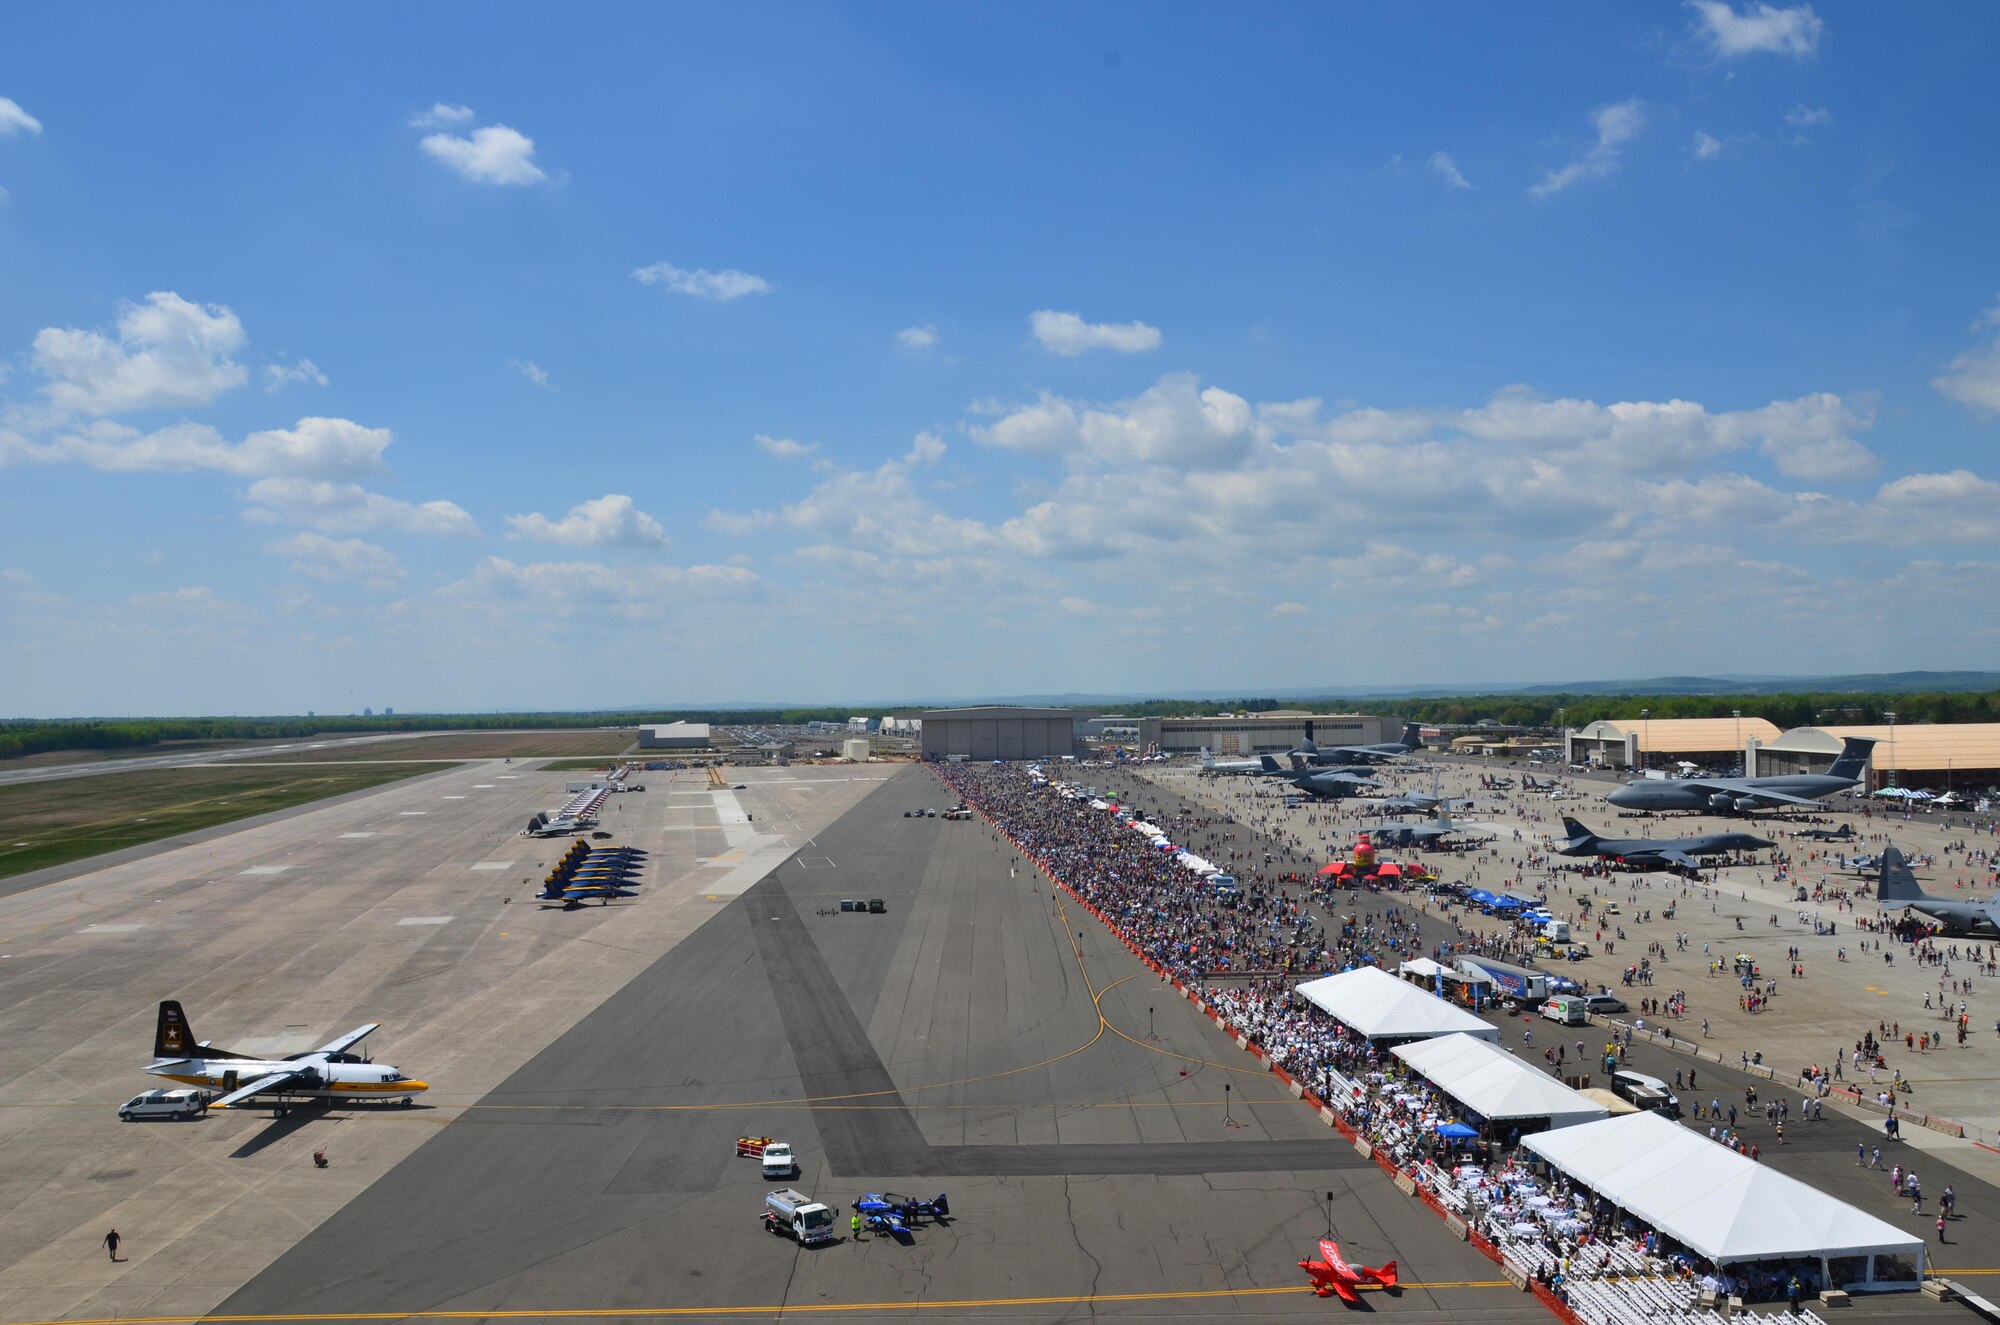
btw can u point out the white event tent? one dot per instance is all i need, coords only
(1494, 1084)
(1728, 1207)
(1377, 1005)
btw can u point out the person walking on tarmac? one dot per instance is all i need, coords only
(854, 1225)
(111, 1244)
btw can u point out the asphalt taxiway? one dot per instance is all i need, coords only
(1106, 1149)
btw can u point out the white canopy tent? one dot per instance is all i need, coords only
(1377, 1005)
(1727, 1207)
(1422, 967)
(1489, 1081)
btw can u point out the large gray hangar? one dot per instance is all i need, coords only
(999, 732)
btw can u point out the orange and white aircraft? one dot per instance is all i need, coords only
(329, 1072)
(1332, 1276)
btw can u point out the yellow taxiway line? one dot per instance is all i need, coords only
(609, 1313)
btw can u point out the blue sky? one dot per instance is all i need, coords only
(515, 357)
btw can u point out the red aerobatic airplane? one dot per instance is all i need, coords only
(1333, 1276)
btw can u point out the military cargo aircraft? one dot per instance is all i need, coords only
(329, 1072)
(1899, 887)
(1743, 795)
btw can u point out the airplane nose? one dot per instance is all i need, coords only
(1619, 797)
(419, 1085)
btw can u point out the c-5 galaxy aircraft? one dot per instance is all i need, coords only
(1898, 887)
(1655, 853)
(1327, 783)
(1743, 795)
(1229, 767)
(1349, 755)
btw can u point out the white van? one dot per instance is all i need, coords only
(165, 1104)
(1556, 931)
(1567, 1009)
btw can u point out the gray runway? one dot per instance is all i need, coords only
(981, 1037)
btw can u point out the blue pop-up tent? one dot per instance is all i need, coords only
(1456, 1131)
(1481, 896)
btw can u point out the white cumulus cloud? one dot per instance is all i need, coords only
(1447, 170)
(1973, 379)
(314, 448)
(278, 376)
(192, 600)
(492, 154)
(442, 115)
(165, 352)
(1069, 335)
(1706, 146)
(14, 120)
(1616, 125)
(533, 371)
(784, 448)
(324, 558)
(1759, 29)
(917, 338)
(339, 508)
(720, 286)
(1808, 117)
(608, 521)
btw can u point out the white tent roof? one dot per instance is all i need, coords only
(1380, 1006)
(1722, 1204)
(1422, 966)
(1494, 1084)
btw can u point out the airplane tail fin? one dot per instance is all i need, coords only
(174, 1038)
(1386, 1276)
(1308, 746)
(1852, 756)
(1897, 883)
(1413, 736)
(1298, 763)
(1269, 764)
(941, 1207)
(1576, 830)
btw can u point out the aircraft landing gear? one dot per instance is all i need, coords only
(405, 1102)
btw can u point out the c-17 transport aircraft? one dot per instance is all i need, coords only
(1899, 887)
(1336, 755)
(329, 1072)
(1328, 783)
(1655, 853)
(1746, 794)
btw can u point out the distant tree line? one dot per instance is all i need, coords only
(21, 737)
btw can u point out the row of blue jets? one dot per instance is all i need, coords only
(584, 875)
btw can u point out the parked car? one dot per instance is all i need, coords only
(877, 905)
(165, 1104)
(1604, 1003)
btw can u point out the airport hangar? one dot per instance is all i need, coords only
(1245, 734)
(999, 731)
(674, 736)
(1933, 756)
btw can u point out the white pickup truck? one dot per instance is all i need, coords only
(779, 1161)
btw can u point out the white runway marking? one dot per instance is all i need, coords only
(494, 865)
(352, 836)
(816, 863)
(267, 869)
(426, 920)
(482, 786)
(109, 929)
(454, 798)
(413, 811)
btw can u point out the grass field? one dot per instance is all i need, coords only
(478, 745)
(50, 823)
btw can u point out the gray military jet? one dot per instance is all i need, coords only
(1327, 784)
(1340, 756)
(1428, 833)
(1655, 853)
(1899, 887)
(1743, 795)
(1844, 833)
(1415, 802)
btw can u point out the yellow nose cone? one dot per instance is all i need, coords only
(418, 1085)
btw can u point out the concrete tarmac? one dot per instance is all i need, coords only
(409, 905)
(1107, 1151)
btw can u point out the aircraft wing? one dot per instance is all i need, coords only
(1681, 858)
(342, 1043)
(257, 1087)
(1731, 787)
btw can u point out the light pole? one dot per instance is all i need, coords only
(1646, 738)
(1889, 716)
(1742, 760)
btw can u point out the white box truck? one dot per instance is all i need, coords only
(796, 1215)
